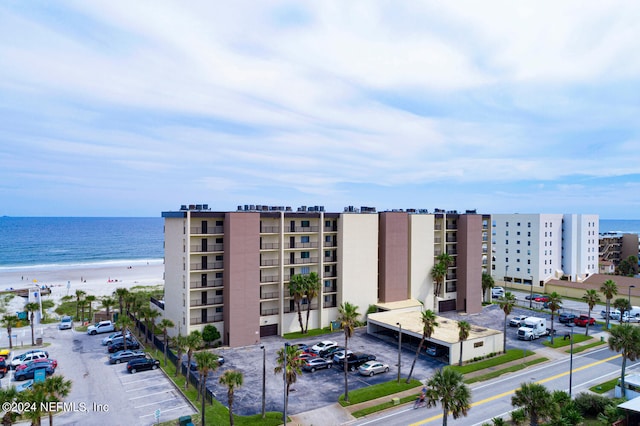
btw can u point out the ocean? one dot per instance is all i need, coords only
(62, 242)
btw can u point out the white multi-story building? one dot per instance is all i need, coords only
(533, 248)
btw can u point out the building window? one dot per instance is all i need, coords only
(550, 233)
(305, 223)
(528, 271)
(518, 260)
(478, 344)
(518, 251)
(518, 224)
(506, 224)
(529, 234)
(528, 224)
(304, 239)
(506, 233)
(518, 233)
(327, 283)
(506, 242)
(518, 242)
(218, 223)
(327, 224)
(304, 254)
(529, 243)
(304, 270)
(517, 269)
(506, 259)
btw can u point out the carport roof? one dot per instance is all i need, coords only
(446, 331)
(401, 304)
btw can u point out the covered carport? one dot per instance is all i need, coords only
(480, 343)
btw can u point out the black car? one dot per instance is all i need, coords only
(355, 360)
(328, 353)
(141, 364)
(30, 371)
(125, 356)
(115, 347)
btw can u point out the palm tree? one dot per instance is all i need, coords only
(56, 388)
(463, 333)
(108, 303)
(438, 273)
(506, 302)
(429, 324)
(447, 388)
(120, 294)
(194, 341)
(152, 315)
(79, 295)
(625, 338)
(232, 379)
(621, 304)
(446, 259)
(123, 323)
(609, 289)
(90, 299)
(82, 304)
(554, 303)
(348, 316)
(591, 297)
(313, 288)
(36, 398)
(144, 313)
(487, 283)
(181, 344)
(165, 324)
(535, 400)
(292, 368)
(297, 289)
(207, 362)
(32, 308)
(9, 321)
(8, 394)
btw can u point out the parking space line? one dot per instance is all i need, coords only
(144, 396)
(154, 403)
(139, 389)
(166, 410)
(141, 380)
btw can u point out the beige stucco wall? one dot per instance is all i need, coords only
(176, 287)
(421, 258)
(358, 260)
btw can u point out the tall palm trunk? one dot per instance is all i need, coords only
(300, 316)
(413, 364)
(231, 408)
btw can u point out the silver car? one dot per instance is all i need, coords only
(373, 367)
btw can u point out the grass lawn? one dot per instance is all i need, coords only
(585, 347)
(511, 355)
(510, 369)
(560, 341)
(604, 387)
(310, 333)
(376, 391)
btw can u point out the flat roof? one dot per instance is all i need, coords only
(446, 331)
(401, 304)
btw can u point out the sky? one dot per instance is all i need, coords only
(114, 108)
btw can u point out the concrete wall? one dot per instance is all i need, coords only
(421, 258)
(469, 264)
(176, 286)
(393, 257)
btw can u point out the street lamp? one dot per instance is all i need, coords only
(286, 347)
(399, 348)
(531, 294)
(630, 287)
(571, 362)
(264, 371)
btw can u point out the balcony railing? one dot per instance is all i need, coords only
(210, 230)
(331, 289)
(301, 245)
(273, 311)
(210, 283)
(330, 244)
(301, 229)
(269, 246)
(270, 262)
(270, 279)
(330, 258)
(211, 265)
(211, 247)
(215, 318)
(331, 228)
(331, 274)
(452, 251)
(270, 295)
(270, 230)
(210, 301)
(451, 239)
(301, 261)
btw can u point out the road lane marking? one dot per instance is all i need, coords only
(503, 394)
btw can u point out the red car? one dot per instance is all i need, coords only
(306, 355)
(582, 320)
(541, 299)
(52, 362)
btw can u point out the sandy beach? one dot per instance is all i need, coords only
(98, 280)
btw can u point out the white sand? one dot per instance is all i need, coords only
(97, 280)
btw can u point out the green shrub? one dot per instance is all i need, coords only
(590, 405)
(518, 416)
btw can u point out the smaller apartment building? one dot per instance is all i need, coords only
(232, 269)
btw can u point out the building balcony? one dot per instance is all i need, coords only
(270, 279)
(210, 301)
(270, 230)
(210, 248)
(215, 318)
(300, 245)
(273, 311)
(330, 289)
(331, 228)
(270, 262)
(270, 295)
(330, 244)
(209, 230)
(204, 267)
(329, 259)
(332, 274)
(207, 284)
(301, 261)
(269, 246)
(451, 239)
(301, 229)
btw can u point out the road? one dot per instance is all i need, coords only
(493, 398)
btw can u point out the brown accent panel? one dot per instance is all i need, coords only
(269, 330)
(241, 278)
(393, 257)
(469, 263)
(447, 305)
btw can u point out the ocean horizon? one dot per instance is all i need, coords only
(37, 243)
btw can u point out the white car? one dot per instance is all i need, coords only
(517, 321)
(339, 355)
(322, 346)
(66, 323)
(497, 292)
(110, 338)
(24, 358)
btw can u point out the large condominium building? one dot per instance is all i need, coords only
(616, 247)
(232, 269)
(533, 248)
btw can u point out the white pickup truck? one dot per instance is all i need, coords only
(100, 327)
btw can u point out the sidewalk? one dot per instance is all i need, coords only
(335, 414)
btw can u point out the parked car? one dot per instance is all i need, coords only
(541, 298)
(66, 323)
(517, 321)
(302, 347)
(110, 338)
(125, 356)
(329, 352)
(26, 357)
(3, 367)
(41, 361)
(436, 350)
(532, 296)
(141, 364)
(338, 355)
(566, 318)
(373, 367)
(306, 355)
(100, 327)
(323, 346)
(30, 371)
(115, 347)
(583, 320)
(613, 314)
(355, 360)
(313, 364)
(497, 292)
(194, 364)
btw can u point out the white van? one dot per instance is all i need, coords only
(633, 315)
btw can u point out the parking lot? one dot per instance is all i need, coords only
(102, 393)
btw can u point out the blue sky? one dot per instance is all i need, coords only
(113, 108)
